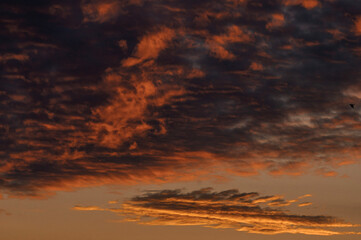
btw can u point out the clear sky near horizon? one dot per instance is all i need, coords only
(169, 119)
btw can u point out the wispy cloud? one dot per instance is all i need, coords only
(226, 209)
(304, 204)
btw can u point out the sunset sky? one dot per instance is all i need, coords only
(180, 119)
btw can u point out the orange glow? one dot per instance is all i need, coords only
(309, 4)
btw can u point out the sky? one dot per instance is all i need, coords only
(170, 119)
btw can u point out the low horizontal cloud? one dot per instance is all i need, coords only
(13, 56)
(304, 204)
(245, 212)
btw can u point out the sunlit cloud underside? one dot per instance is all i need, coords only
(246, 212)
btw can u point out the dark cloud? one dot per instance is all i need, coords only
(226, 209)
(97, 92)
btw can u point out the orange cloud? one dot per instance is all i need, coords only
(309, 4)
(358, 25)
(234, 34)
(217, 44)
(337, 34)
(326, 173)
(100, 11)
(89, 208)
(124, 116)
(277, 20)
(150, 46)
(304, 196)
(127, 112)
(256, 66)
(13, 56)
(304, 204)
(220, 52)
(226, 209)
(196, 73)
(169, 107)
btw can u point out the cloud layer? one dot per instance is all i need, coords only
(98, 92)
(227, 209)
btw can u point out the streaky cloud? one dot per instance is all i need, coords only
(245, 212)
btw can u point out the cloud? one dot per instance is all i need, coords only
(90, 208)
(304, 196)
(358, 25)
(10, 56)
(226, 209)
(218, 43)
(100, 11)
(304, 204)
(309, 4)
(150, 46)
(256, 66)
(128, 110)
(131, 92)
(277, 20)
